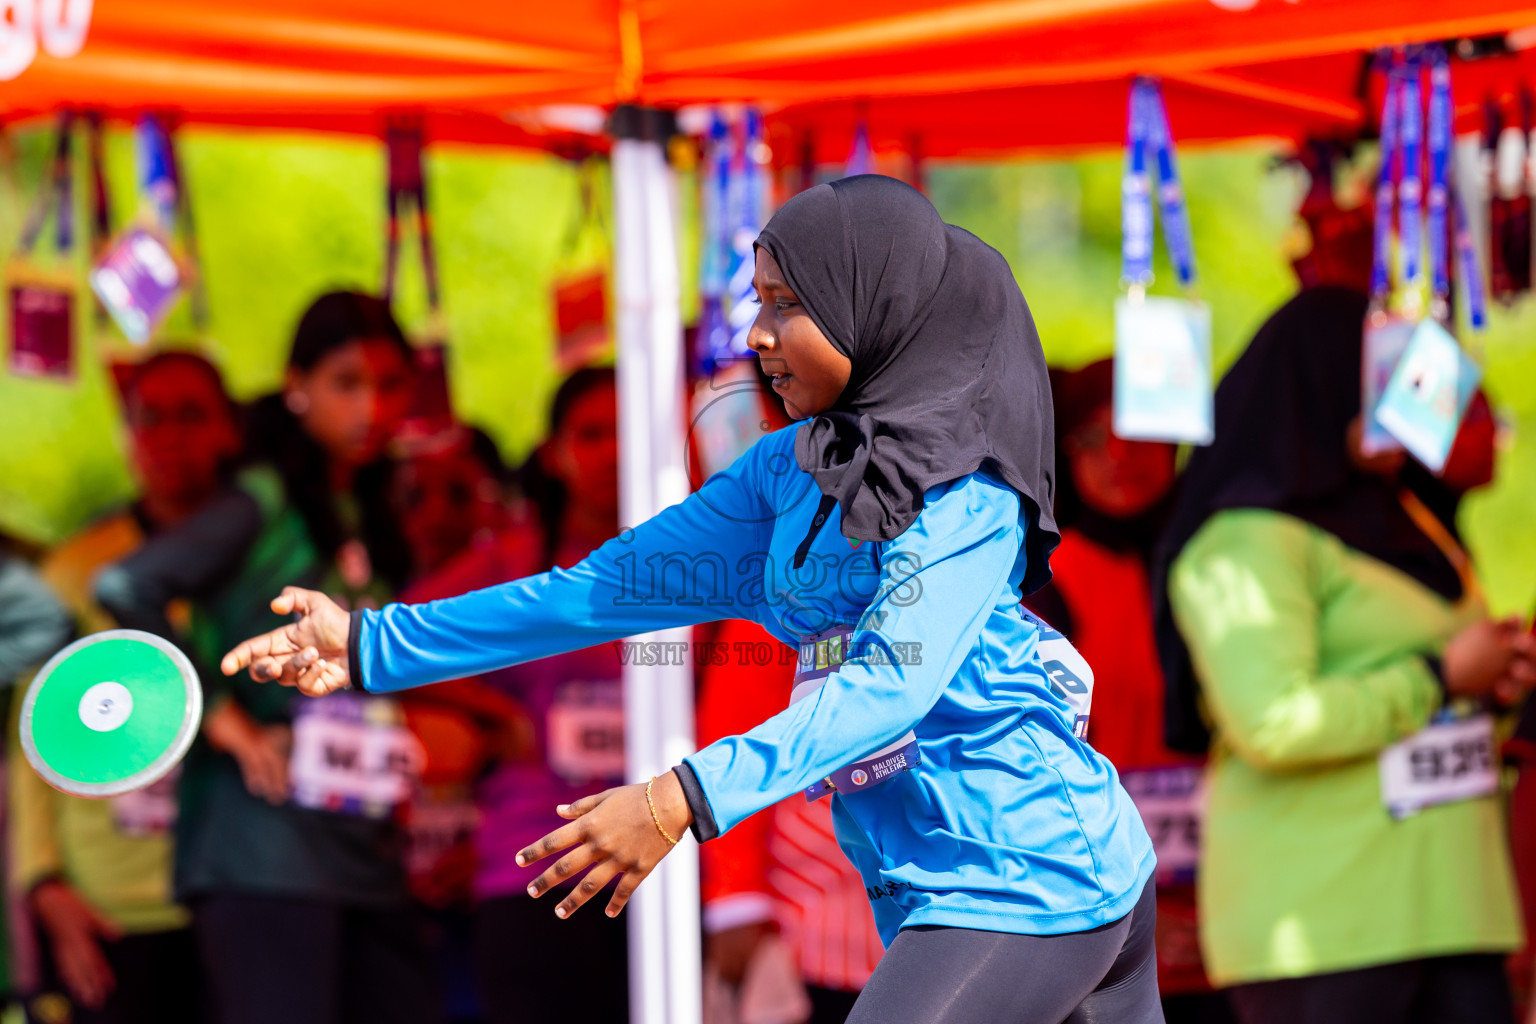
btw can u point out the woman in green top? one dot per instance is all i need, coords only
(287, 851)
(1354, 864)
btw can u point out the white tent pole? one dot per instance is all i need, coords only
(664, 955)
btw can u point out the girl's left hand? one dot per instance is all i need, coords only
(613, 834)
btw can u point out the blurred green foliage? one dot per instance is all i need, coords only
(282, 217)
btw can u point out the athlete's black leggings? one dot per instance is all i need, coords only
(933, 975)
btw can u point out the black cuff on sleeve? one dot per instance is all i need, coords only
(354, 651)
(704, 828)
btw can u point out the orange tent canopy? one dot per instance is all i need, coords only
(1051, 71)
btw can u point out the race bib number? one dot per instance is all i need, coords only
(434, 826)
(353, 755)
(585, 731)
(821, 655)
(148, 812)
(1171, 801)
(1439, 764)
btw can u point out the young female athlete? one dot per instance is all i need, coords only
(889, 538)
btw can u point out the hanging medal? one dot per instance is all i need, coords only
(42, 300)
(138, 278)
(1431, 381)
(1386, 334)
(727, 414)
(1163, 388)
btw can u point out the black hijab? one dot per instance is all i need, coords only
(1282, 415)
(947, 375)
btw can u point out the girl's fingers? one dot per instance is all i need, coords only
(292, 599)
(268, 670)
(585, 805)
(257, 651)
(627, 886)
(562, 869)
(319, 677)
(559, 839)
(589, 886)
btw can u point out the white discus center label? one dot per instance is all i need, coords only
(106, 706)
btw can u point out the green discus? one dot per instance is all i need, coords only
(111, 712)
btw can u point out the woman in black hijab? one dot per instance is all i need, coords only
(1318, 624)
(1008, 872)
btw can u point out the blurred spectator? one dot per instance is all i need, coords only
(1321, 599)
(96, 874)
(528, 961)
(33, 625)
(1112, 496)
(1520, 750)
(287, 851)
(450, 498)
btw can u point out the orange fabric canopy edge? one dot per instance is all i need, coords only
(974, 78)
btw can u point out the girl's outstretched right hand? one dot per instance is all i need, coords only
(309, 653)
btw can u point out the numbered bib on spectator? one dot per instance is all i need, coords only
(584, 731)
(353, 755)
(821, 655)
(148, 812)
(1171, 801)
(1441, 763)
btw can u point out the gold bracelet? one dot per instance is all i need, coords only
(654, 816)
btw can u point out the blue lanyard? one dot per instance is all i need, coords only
(714, 259)
(1440, 112)
(1381, 281)
(1402, 143)
(57, 193)
(1147, 131)
(1136, 197)
(1170, 192)
(157, 181)
(746, 214)
(1410, 213)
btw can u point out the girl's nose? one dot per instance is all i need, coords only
(758, 339)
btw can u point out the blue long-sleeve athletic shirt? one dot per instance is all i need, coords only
(1010, 822)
